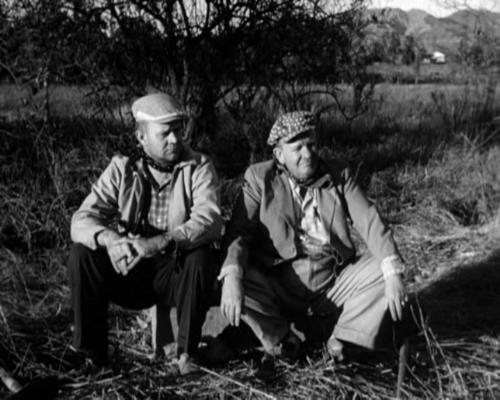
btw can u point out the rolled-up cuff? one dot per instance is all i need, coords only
(392, 265)
(356, 337)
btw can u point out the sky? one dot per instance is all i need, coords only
(438, 8)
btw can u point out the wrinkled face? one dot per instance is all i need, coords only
(161, 141)
(299, 156)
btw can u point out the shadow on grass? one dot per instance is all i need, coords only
(466, 301)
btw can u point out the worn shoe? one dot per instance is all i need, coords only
(335, 348)
(216, 352)
(182, 365)
(170, 350)
(88, 360)
(186, 364)
(290, 346)
(266, 368)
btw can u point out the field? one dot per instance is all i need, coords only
(428, 154)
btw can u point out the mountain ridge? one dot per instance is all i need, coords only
(445, 34)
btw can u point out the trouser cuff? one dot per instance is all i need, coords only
(354, 336)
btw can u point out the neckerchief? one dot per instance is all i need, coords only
(320, 178)
(138, 153)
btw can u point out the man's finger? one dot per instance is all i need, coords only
(122, 264)
(226, 309)
(237, 315)
(127, 251)
(223, 310)
(227, 313)
(122, 240)
(392, 310)
(399, 310)
(134, 262)
(115, 267)
(232, 315)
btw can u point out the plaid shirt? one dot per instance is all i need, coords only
(157, 217)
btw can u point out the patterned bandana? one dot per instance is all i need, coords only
(138, 153)
(321, 177)
(289, 125)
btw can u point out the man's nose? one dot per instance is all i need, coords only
(306, 152)
(172, 138)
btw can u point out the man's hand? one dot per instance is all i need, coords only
(120, 254)
(395, 296)
(232, 299)
(144, 247)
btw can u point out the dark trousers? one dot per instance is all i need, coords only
(186, 282)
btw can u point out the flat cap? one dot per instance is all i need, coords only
(157, 107)
(290, 125)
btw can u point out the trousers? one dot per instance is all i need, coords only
(183, 281)
(277, 296)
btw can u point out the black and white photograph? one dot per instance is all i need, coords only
(249, 199)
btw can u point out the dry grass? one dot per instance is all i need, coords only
(439, 190)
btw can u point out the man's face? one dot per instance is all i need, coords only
(162, 141)
(299, 156)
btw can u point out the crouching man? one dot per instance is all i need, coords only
(289, 252)
(142, 236)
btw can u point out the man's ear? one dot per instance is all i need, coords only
(139, 134)
(278, 154)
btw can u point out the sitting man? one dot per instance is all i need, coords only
(142, 236)
(289, 252)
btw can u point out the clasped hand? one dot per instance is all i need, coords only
(126, 252)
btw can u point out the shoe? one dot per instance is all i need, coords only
(183, 365)
(88, 360)
(216, 352)
(170, 350)
(335, 348)
(266, 369)
(290, 346)
(186, 364)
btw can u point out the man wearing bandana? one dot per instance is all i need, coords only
(142, 236)
(289, 252)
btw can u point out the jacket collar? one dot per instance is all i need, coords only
(282, 196)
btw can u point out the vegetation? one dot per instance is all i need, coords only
(428, 153)
(437, 185)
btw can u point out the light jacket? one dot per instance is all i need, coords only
(262, 230)
(118, 197)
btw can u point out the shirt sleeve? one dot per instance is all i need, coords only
(392, 265)
(99, 208)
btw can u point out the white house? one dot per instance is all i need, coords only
(438, 57)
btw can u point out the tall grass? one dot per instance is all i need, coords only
(437, 184)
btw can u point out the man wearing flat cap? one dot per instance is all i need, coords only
(142, 236)
(289, 252)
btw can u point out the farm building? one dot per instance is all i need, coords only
(438, 58)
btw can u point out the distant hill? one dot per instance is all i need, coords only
(435, 34)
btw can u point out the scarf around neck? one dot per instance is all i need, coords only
(138, 153)
(320, 178)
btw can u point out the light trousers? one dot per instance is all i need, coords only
(277, 296)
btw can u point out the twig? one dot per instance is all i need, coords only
(236, 382)
(79, 385)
